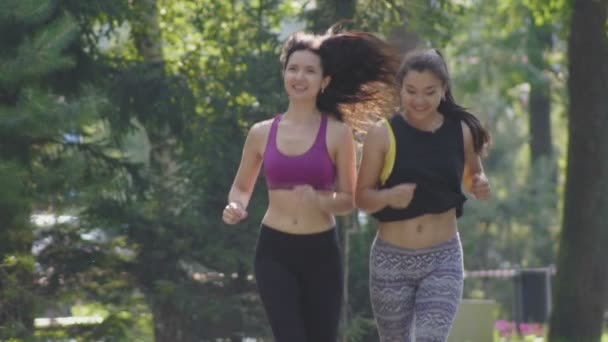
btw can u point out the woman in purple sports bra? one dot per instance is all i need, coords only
(308, 159)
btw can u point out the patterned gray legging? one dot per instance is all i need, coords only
(422, 286)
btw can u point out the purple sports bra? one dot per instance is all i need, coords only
(314, 167)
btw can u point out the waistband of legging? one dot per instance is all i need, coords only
(453, 242)
(267, 232)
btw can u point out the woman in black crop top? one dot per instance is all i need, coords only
(410, 179)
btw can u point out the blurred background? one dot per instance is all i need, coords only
(121, 128)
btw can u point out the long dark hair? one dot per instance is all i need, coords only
(362, 68)
(433, 61)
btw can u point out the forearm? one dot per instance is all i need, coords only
(467, 184)
(239, 196)
(371, 200)
(338, 203)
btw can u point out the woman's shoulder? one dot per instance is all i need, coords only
(261, 127)
(337, 127)
(381, 127)
(466, 131)
(259, 132)
(377, 137)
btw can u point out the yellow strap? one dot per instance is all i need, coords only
(389, 159)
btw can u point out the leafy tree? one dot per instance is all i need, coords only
(191, 75)
(41, 123)
(329, 12)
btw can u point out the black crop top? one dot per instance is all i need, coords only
(434, 161)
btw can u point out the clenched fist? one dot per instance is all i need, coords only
(233, 213)
(480, 186)
(400, 196)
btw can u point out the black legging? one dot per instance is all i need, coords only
(300, 281)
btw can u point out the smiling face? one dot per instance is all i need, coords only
(303, 76)
(421, 93)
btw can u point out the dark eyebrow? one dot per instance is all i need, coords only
(311, 66)
(427, 88)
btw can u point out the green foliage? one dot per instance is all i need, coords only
(329, 12)
(46, 137)
(235, 75)
(499, 53)
(28, 12)
(552, 11)
(239, 83)
(83, 116)
(14, 204)
(40, 53)
(33, 50)
(520, 225)
(207, 88)
(431, 20)
(361, 329)
(360, 326)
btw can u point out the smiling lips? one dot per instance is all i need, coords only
(420, 109)
(299, 89)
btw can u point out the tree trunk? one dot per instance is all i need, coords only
(149, 45)
(170, 323)
(582, 283)
(542, 161)
(167, 323)
(541, 144)
(540, 94)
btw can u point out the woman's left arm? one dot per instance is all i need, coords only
(341, 201)
(474, 178)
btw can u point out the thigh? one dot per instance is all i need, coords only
(437, 299)
(281, 296)
(322, 297)
(392, 295)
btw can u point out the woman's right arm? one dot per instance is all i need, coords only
(368, 197)
(375, 146)
(246, 176)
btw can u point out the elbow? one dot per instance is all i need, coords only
(239, 190)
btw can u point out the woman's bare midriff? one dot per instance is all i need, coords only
(420, 232)
(289, 213)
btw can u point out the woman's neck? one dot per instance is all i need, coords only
(429, 123)
(302, 112)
